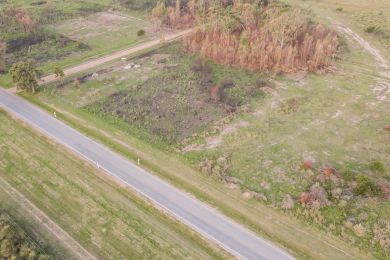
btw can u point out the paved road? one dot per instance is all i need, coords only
(202, 218)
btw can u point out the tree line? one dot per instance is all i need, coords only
(256, 35)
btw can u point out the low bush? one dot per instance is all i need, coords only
(377, 167)
(365, 186)
(140, 33)
(370, 29)
(15, 244)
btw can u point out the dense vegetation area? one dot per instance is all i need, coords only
(15, 244)
(254, 35)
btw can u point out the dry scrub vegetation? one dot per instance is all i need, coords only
(253, 35)
(15, 244)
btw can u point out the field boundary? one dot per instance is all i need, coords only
(42, 218)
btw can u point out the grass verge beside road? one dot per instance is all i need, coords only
(107, 219)
(270, 224)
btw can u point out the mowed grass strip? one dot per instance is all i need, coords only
(46, 241)
(106, 219)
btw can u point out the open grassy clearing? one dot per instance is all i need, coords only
(371, 19)
(63, 33)
(116, 126)
(106, 219)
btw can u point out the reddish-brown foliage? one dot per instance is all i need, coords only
(308, 164)
(25, 20)
(329, 173)
(317, 196)
(305, 198)
(310, 51)
(269, 37)
(214, 91)
(385, 191)
(11, 16)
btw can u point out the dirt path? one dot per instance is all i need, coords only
(381, 89)
(116, 55)
(383, 85)
(74, 247)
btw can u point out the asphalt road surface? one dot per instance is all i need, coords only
(207, 221)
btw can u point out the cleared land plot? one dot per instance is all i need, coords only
(63, 34)
(103, 33)
(166, 92)
(106, 219)
(102, 29)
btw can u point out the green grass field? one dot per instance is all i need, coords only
(105, 218)
(371, 19)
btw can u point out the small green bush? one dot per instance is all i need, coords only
(365, 186)
(140, 33)
(347, 174)
(339, 9)
(370, 29)
(377, 167)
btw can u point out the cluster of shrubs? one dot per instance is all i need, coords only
(215, 167)
(331, 202)
(253, 35)
(359, 185)
(14, 244)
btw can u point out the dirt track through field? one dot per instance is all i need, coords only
(116, 55)
(383, 86)
(72, 245)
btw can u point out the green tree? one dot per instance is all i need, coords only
(25, 75)
(59, 73)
